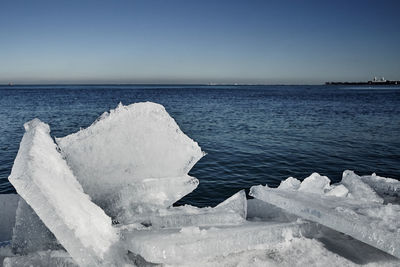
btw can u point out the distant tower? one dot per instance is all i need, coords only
(375, 79)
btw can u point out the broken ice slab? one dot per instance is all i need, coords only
(126, 146)
(353, 249)
(43, 179)
(387, 188)
(371, 222)
(236, 204)
(8, 207)
(358, 189)
(49, 258)
(230, 212)
(147, 196)
(258, 210)
(30, 234)
(193, 244)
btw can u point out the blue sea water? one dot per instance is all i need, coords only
(252, 134)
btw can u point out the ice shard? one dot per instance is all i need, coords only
(126, 147)
(235, 204)
(230, 212)
(29, 233)
(193, 244)
(43, 179)
(368, 221)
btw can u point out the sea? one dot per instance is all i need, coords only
(258, 134)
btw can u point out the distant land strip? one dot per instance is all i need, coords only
(387, 82)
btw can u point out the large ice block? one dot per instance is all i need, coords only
(230, 212)
(8, 207)
(371, 222)
(127, 146)
(44, 180)
(194, 244)
(146, 196)
(30, 234)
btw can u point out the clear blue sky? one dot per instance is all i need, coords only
(200, 41)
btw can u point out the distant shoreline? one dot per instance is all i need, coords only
(365, 83)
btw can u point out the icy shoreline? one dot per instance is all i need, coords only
(132, 164)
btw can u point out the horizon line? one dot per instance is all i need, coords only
(149, 84)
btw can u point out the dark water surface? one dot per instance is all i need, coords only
(252, 134)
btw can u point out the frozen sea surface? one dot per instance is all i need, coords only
(252, 134)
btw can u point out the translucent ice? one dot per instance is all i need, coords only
(387, 188)
(8, 207)
(30, 234)
(230, 212)
(127, 146)
(258, 210)
(193, 244)
(368, 221)
(44, 180)
(147, 196)
(358, 252)
(358, 189)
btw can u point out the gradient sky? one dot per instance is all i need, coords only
(202, 41)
